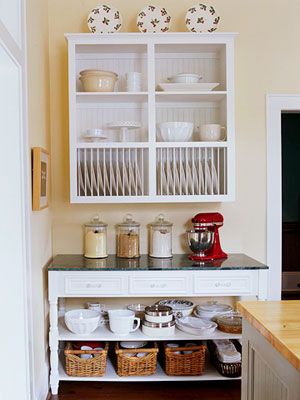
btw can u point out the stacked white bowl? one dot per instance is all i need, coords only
(176, 131)
(133, 82)
(82, 321)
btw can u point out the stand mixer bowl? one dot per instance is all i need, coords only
(200, 240)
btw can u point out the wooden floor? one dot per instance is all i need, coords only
(229, 390)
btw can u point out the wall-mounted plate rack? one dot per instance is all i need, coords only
(133, 166)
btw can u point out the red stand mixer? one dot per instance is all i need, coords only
(204, 240)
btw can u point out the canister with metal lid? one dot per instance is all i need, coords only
(128, 238)
(160, 245)
(158, 329)
(95, 239)
(158, 314)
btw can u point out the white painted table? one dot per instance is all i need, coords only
(73, 276)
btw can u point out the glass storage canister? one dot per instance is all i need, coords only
(95, 239)
(128, 238)
(160, 245)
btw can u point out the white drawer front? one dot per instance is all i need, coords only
(158, 285)
(95, 285)
(224, 285)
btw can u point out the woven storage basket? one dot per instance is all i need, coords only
(230, 328)
(135, 366)
(184, 364)
(230, 370)
(230, 323)
(77, 366)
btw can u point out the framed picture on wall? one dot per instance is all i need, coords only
(40, 178)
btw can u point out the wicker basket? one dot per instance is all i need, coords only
(184, 364)
(230, 370)
(135, 366)
(77, 366)
(230, 328)
(230, 323)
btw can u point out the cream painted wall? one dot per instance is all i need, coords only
(39, 135)
(267, 60)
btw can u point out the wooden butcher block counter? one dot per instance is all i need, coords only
(271, 350)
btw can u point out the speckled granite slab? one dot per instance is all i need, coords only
(77, 262)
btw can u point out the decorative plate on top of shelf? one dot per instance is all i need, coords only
(153, 19)
(187, 87)
(201, 18)
(104, 19)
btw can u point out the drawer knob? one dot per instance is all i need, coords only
(158, 285)
(94, 285)
(222, 284)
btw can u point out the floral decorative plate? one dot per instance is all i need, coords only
(104, 19)
(176, 304)
(201, 18)
(153, 19)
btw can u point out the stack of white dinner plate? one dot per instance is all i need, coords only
(211, 310)
(195, 326)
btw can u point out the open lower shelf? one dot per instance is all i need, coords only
(210, 374)
(121, 145)
(111, 97)
(113, 145)
(190, 96)
(192, 144)
(104, 334)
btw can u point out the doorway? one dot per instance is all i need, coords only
(290, 152)
(14, 206)
(276, 106)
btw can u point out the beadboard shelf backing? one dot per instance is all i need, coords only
(136, 165)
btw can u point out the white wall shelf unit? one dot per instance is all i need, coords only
(208, 174)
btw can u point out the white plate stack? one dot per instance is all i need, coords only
(211, 310)
(195, 326)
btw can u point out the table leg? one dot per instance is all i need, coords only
(53, 342)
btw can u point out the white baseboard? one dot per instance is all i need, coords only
(42, 387)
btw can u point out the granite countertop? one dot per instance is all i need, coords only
(77, 262)
(279, 323)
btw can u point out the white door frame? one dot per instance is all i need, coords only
(18, 53)
(275, 105)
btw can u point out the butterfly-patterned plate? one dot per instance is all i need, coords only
(153, 19)
(104, 19)
(201, 18)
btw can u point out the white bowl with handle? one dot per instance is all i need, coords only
(176, 131)
(82, 321)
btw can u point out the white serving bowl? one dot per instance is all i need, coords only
(185, 78)
(176, 131)
(82, 321)
(181, 308)
(98, 80)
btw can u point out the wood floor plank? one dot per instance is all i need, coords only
(149, 391)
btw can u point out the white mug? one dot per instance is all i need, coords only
(212, 132)
(121, 322)
(133, 76)
(133, 82)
